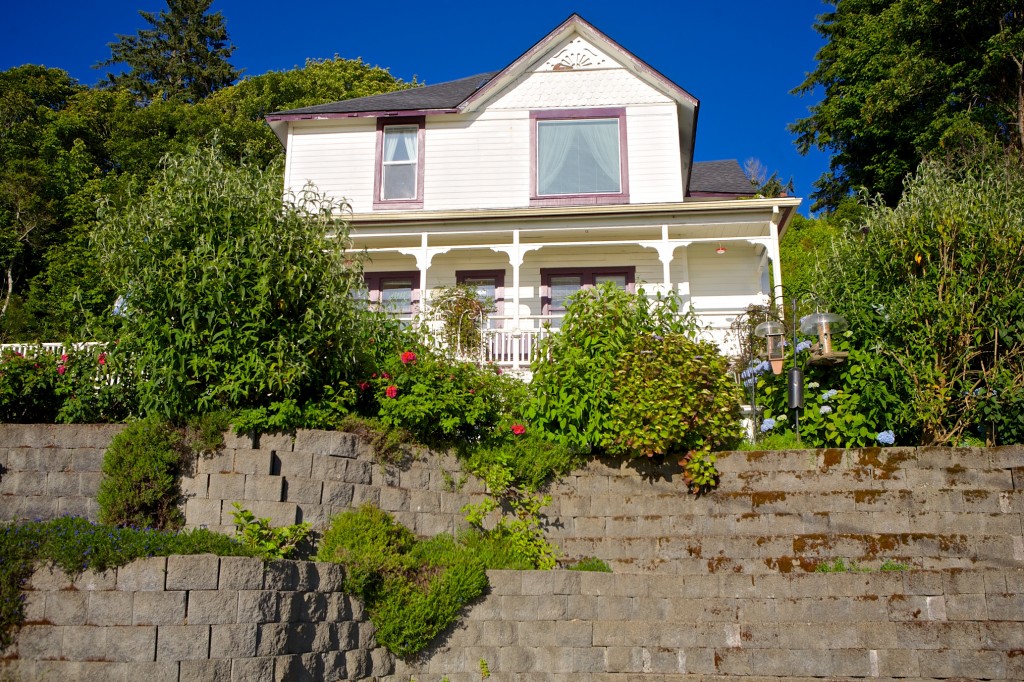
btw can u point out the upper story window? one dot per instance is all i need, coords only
(399, 175)
(579, 157)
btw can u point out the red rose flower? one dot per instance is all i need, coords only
(385, 375)
(363, 386)
(407, 357)
(102, 359)
(61, 369)
(518, 429)
(391, 391)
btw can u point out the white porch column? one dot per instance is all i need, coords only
(773, 254)
(684, 281)
(515, 252)
(424, 255)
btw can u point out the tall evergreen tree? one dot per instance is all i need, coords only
(184, 55)
(900, 78)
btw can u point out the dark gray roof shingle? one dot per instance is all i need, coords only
(719, 177)
(440, 96)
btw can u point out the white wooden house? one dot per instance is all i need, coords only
(571, 166)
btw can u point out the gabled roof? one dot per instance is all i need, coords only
(443, 96)
(715, 178)
(576, 24)
(466, 94)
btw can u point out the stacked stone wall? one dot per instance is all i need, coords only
(195, 618)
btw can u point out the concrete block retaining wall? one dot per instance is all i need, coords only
(563, 626)
(195, 618)
(707, 588)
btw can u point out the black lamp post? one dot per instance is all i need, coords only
(820, 324)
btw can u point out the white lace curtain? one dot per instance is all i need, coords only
(578, 157)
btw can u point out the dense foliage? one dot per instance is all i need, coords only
(75, 545)
(66, 147)
(626, 376)
(414, 589)
(902, 76)
(933, 288)
(234, 297)
(931, 291)
(87, 384)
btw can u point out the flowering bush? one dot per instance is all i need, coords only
(847, 414)
(442, 402)
(95, 386)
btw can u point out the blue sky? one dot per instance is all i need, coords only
(740, 59)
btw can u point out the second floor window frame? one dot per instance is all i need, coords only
(539, 118)
(398, 124)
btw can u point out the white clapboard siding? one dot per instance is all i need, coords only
(652, 138)
(478, 162)
(337, 157)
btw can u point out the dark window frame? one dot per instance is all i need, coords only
(378, 181)
(587, 276)
(585, 199)
(374, 287)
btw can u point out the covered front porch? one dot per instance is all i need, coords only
(716, 256)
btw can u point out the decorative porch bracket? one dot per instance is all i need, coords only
(666, 249)
(424, 255)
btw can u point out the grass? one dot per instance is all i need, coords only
(75, 545)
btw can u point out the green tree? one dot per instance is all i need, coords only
(184, 54)
(31, 97)
(901, 76)
(932, 287)
(235, 297)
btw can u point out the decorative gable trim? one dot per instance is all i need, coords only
(576, 24)
(577, 55)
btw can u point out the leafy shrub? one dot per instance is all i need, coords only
(28, 387)
(441, 402)
(845, 405)
(140, 485)
(413, 589)
(236, 297)
(267, 541)
(74, 545)
(572, 388)
(932, 288)
(283, 416)
(672, 395)
(530, 458)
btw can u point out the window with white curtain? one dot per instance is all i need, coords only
(399, 163)
(578, 156)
